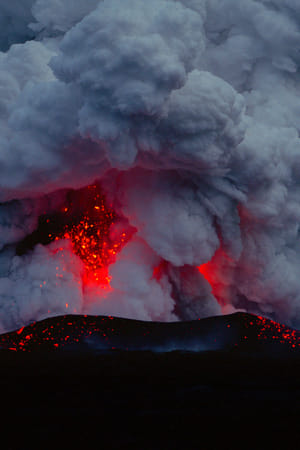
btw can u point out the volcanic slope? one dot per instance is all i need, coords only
(112, 381)
(78, 333)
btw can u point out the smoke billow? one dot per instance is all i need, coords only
(186, 114)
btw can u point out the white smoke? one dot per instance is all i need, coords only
(187, 112)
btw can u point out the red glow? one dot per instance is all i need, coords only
(242, 331)
(216, 272)
(278, 332)
(87, 223)
(207, 271)
(159, 270)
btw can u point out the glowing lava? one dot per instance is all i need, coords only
(88, 224)
(96, 232)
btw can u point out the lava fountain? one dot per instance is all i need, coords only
(84, 219)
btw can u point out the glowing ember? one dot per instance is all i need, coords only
(89, 232)
(277, 331)
(246, 332)
(86, 220)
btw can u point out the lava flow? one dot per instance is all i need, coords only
(86, 220)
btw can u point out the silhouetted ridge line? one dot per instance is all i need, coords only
(240, 331)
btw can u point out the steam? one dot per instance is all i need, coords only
(187, 113)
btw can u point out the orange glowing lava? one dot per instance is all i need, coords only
(88, 221)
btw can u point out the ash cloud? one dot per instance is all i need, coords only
(187, 112)
(15, 18)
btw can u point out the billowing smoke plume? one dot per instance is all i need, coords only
(186, 112)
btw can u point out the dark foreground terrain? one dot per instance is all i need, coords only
(244, 395)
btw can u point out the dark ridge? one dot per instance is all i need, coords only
(78, 333)
(70, 382)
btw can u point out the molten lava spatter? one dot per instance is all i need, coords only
(88, 230)
(86, 220)
(88, 227)
(240, 331)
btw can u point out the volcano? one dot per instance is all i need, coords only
(155, 175)
(150, 220)
(135, 384)
(75, 333)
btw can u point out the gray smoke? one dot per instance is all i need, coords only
(187, 112)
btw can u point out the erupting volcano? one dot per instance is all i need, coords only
(153, 175)
(150, 216)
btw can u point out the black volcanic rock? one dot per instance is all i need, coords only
(75, 384)
(76, 333)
